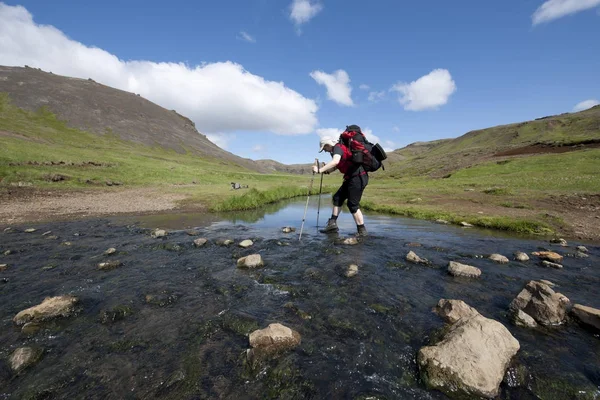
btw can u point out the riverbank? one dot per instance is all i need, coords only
(571, 216)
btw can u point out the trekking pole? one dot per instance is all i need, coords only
(307, 198)
(320, 190)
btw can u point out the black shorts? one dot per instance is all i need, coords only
(351, 190)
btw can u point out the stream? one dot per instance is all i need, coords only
(173, 321)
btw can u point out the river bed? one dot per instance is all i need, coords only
(360, 335)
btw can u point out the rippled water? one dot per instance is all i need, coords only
(360, 336)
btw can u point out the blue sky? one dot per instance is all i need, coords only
(263, 78)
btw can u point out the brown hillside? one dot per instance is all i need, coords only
(101, 109)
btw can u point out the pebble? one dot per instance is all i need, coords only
(499, 258)
(466, 224)
(7, 252)
(559, 241)
(107, 266)
(52, 237)
(246, 243)
(30, 230)
(582, 249)
(413, 257)
(350, 241)
(200, 242)
(46, 233)
(158, 233)
(3, 267)
(520, 256)
(288, 229)
(67, 243)
(551, 264)
(442, 221)
(351, 271)
(110, 251)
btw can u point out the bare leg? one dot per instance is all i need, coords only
(336, 211)
(358, 218)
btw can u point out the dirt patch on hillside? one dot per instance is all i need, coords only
(20, 205)
(540, 148)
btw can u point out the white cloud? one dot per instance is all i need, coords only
(337, 84)
(334, 133)
(554, 9)
(219, 97)
(584, 105)
(376, 96)
(221, 139)
(246, 37)
(389, 146)
(302, 11)
(428, 92)
(258, 148)
(364, 87)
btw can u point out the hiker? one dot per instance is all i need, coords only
(356, 180)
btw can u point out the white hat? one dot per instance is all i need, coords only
(326, 140)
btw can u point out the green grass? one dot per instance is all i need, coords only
(491, 222)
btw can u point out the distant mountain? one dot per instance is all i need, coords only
(100, 109)
(560, 133)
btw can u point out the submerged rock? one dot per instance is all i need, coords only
(110, 251)
(551, 265)
(224, 242)
(158, 233)
(46, 233)
(276, 337)
(582, 249)
(162, 299)
(588, 315)
(413, 257)
(559, 241)
(548, 255)
(30, 328)
(115, 314)
(288, 229)
(24, 357)
(3, 267)
(200, 242)
(109, 265)
(499, 258)
(471, 359)
(520, 256)
(541, 302)
(458, 269)
(466, 224)
(442, 221)
(581, 254)
(454, 310)
(192, 232)
(251, 261)
(30, 230)
(521, 318)
(7, 252)
(52, 237)
(51, 307)
(246, 243)
(351, 271)
(350, 241)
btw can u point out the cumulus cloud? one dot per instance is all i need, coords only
(428, 92)
(221, 139)
(219, 97)
(334, 133)
(337, 84)
(584, 105)
(246, 37)
(554, 9)
(364, 87)
(302, 11)
(376, 96)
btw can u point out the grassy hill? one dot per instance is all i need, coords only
(541, 176)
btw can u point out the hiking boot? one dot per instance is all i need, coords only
(330, 227)
(362, 231)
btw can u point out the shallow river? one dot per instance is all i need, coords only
(360, 335)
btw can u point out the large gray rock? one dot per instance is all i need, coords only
(453, 310)
(541, 302)
(588, 315)
(471, 359)
(251, 261)
(549, 256)
(24, 357)
(51, 307)
(458, 269)
(521, 318)
(275, 337)
(414, 258)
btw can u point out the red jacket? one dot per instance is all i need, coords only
(346, 166)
